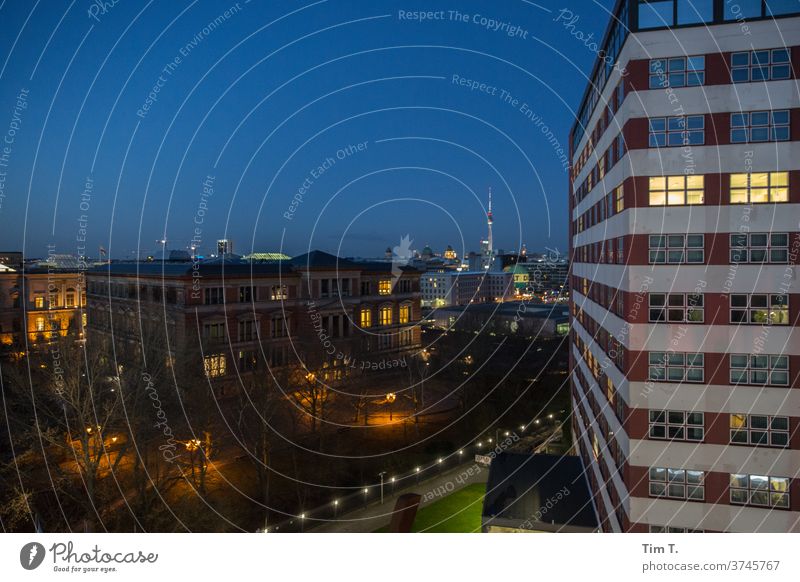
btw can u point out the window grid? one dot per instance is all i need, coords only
(760, 309)
(677, 72)
(676, 131)
(677, 483)
(676, 249)
(760, 126)
(676, 367)
(762, 65)
(676, 307)
(676, 425)
(759, 490)
(759, 369)
(759, 247)
(756, 429)
(676, 190)
(759, 188)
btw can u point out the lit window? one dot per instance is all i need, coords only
(756, 429)
(675, 367)
(40, 322)
(676, 425)
(70, 301)
(38, 302)
(619, 199)
(761, 309)
(763, 65)
(759, 187)
(384, 287)
(761, 369)
(214, 365)
(759, 247)
(676, 248)
(760, 490)
(278, 293)
(760, 126)
(676, 190)
(386, 315)
(676, 131)
(677, 483)
(366, 317)
(405, 313)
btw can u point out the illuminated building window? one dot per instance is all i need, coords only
(40, 324)
(366, 317)
(676, 190)
(677, 483)
(760, 490)
(386, 315)
(70, 302)
(278, 293)
(405, 313)
(384, 287)
(761, 309)
(619, 199)
(38, 302)
(756, 429)
(214, 365)
(759, 187)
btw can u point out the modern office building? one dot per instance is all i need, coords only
(684, 210)
(443, 288)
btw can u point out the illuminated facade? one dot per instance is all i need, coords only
(684, 198)
(243, 318)
(37, 305)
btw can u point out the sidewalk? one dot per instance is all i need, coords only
(377, 515)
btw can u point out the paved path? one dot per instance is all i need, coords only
(377, 515)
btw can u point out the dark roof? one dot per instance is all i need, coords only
(240, 267)
(512, 308)
(159, 268)
(520, 486)
(322, 260)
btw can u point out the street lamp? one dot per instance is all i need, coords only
(390, 398)
(381, 474)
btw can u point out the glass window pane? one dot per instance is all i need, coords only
(742, 9)
(738, 480)
(655, 14)
(658, 474)
(695, 241)
(695, 11)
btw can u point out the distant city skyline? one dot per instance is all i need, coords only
(371, 127)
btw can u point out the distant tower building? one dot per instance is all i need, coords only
(388, 253)
(487, 247)
(224, 246)
(523, 252)
(450, 254)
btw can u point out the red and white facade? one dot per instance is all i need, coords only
(685, 238)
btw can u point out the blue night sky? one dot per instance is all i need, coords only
(266, 104)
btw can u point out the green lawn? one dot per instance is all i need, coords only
(459, 512)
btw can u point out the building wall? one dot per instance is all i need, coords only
(618, 281)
